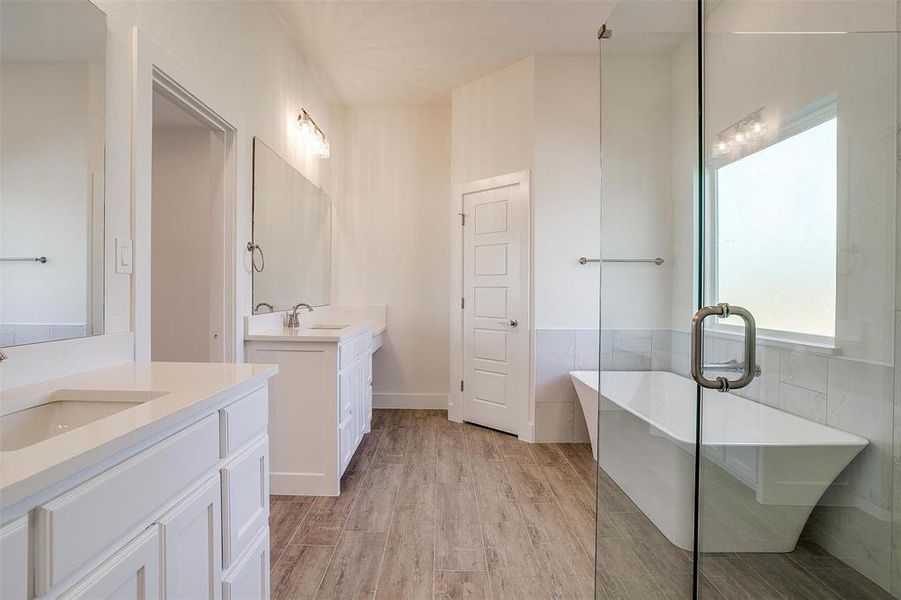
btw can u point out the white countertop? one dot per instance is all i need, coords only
(188, 391)
(269, 327)
(305, 333)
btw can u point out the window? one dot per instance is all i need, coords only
(775, 238)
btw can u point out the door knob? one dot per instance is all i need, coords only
(511, 322)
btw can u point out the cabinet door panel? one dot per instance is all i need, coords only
(249, 579)
(83, 523)
(132, 573)
(14, 559)
(245, 499)
(192, 544)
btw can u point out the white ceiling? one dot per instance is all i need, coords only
(416, 52)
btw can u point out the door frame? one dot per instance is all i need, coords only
(525, 421)
(155, 70)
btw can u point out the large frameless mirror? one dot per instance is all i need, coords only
(52, 144)
(292, 237)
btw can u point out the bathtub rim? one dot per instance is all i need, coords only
(844, 438)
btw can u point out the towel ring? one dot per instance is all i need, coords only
(251, 247)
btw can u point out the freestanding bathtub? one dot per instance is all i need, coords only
(762, 472)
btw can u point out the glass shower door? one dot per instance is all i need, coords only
(647, 417)
(797, 230)
(753, 146)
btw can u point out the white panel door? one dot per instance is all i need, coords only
(192, 545)
(496, 303)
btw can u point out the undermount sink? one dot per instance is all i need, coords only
(65, 410)
(327, 326)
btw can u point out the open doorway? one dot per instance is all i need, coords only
(187, 235)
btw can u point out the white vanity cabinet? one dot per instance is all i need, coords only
(355, 397)
(180, 516)
(320, 405)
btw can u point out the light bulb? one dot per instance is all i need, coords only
(307, 129)
(324, 151)
(739, 137)
(757, 127)
(721, 147)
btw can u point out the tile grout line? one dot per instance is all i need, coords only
(436, 521)
(378, 578)
(478, 510)
(590, 554)
(353, 502)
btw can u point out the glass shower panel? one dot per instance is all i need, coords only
(647, 414)
(799, 226)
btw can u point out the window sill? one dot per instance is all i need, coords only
(775, 341)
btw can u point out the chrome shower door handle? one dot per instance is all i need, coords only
(749, 363)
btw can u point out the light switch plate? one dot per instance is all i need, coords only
(123, 255)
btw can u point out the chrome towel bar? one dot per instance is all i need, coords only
(40, 259)
(585, 260)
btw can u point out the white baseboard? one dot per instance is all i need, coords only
(301, 484)
(420, 401)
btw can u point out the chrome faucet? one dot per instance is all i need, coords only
(291, 318)
(730, 366)
(256, 308)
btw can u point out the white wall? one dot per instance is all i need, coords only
(47, 161)
(566, 191)
(541, 114)
(493, 123)
(238, 51)
(391, 243)
(637, 214)
(182, 244)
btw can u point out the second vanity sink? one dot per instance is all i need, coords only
(326, 326)
(62, 411)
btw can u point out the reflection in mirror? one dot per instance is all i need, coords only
(52, 117)
(291, 235)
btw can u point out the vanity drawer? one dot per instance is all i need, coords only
(354, 349)
(242, 421)
(245, 499)
(74, 528)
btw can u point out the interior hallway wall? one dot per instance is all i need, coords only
(391, 243)
(181, 244)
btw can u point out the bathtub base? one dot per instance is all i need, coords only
(754, 497)
(658, 474)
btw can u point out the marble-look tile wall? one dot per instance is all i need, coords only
(853, 520)
(31, 333)
(558, 414)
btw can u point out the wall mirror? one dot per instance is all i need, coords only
(52, 143)
(292, 235)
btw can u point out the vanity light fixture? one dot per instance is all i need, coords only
(312, 135)
(741, 138)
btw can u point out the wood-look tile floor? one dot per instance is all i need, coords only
(435, 509)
